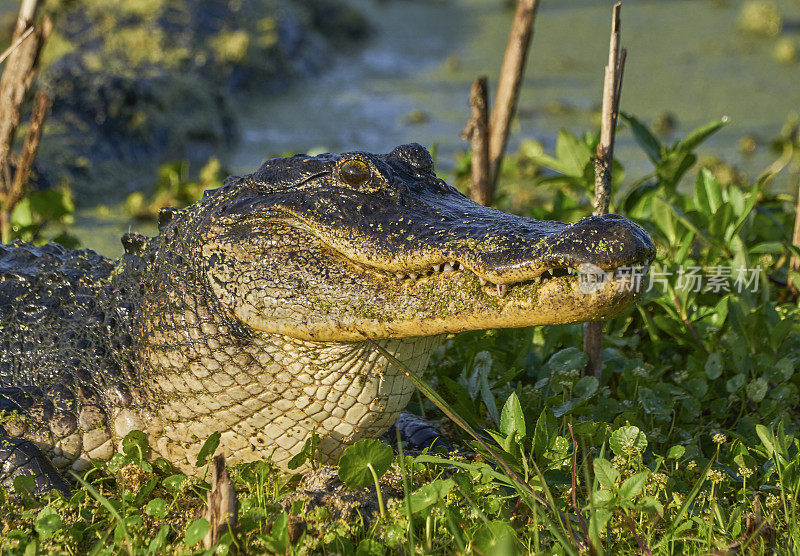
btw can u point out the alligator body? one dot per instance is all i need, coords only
(248, 313)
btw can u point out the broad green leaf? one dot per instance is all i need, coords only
(354, 465)
(605, 473)
(701, 134)
(487, 397)
(676, 452)
(208, 449)
(495, 537)
(586, 387)
(767, 439)
(572, 153)
(632, 486)
(720, 222)
(545, 428)
(307, 453)
(24, 484)
(651, 505)
(157, 507)
(734, 383)
(47, 522)
(52, 204)
(569, 359)
(671, 168)
(603, 497)
(597, 522)
(135, 445)
(757, 389)
(512, 419)
(713, 366)
(628, 441)
(646, 140)
(196, 530)
(710, 190)
(430, 494)
(550, 162)
(174, 482)
(564, 408)
(664, 216)
(278, 540)
(785, 368)
(771, 247)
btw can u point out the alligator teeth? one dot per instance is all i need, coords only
(400, 276)
(455, 265)
(502, 289)
(437, 268)
(448, 267)
(482, 281)
(537, 280)
(412, 275)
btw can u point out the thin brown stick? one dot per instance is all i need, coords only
(612, 88)
(477, 132)
(222, 512)
(32, 138)
(15, 44)
(575, 506)
(612, 91)
(794, 263)
(18, 74)
(642, 542)
(508, 86)
(593, 347)
(10, 198)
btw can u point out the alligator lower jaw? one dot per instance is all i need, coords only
(453, 303)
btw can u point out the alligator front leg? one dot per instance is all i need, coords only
(21, 457)
(48, 433)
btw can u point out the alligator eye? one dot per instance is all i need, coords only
(355, 173)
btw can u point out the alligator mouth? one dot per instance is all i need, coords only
(584, 271)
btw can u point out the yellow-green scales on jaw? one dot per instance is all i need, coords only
(248, 313)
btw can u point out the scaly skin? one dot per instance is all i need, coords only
(248, 313)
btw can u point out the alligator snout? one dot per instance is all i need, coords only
(522, 249)
(609, 241)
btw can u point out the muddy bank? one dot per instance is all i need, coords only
(144, 81)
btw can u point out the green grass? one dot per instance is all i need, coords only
(687, 444)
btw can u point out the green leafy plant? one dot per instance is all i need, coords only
(364, 462)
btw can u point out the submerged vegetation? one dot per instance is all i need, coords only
(687, 443)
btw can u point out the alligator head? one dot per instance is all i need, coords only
(256, 301)
(345, 247)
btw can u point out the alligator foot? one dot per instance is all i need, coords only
(21, 457)
(416, 434)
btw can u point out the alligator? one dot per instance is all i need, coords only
(251, 313)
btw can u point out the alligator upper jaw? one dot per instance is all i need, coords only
(515, 250)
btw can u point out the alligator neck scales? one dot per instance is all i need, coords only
(248, 313)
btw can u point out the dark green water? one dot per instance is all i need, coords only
(411, 83)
